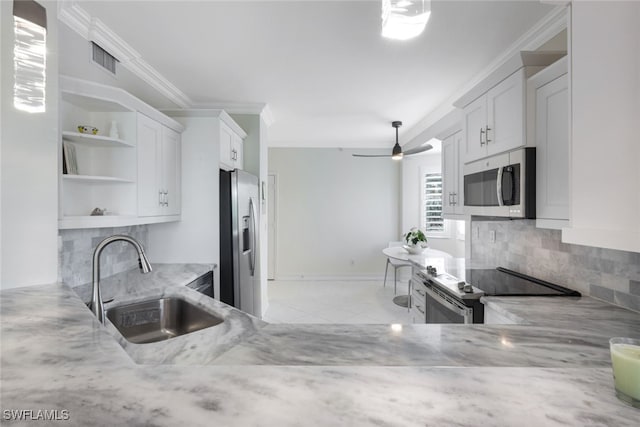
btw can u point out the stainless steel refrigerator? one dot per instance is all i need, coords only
(239, 281)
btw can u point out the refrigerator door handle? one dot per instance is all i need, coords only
(252, 257)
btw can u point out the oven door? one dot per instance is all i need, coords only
(442, 308)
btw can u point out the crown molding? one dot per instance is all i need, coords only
(257, 108)
(553, 23)
(93, 29)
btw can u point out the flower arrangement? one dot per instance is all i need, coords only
(415, 237)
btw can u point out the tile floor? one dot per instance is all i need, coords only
(307, 301)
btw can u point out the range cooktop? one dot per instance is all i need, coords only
(503, 282)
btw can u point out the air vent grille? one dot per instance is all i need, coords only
(104, 58)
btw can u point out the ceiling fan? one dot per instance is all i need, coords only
(397, 153)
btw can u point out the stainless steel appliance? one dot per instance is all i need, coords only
(503, 185)
(450, 300)
(203, 284)
(445, 301)
(239, 283)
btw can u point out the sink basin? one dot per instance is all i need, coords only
(159, 319)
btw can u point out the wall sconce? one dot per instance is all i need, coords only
(404, 19)
(29, 55)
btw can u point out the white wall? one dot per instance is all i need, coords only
(29, 171)
(605, 178)
(75, 61)
(411, 201)
(335, 212)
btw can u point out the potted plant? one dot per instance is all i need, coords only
(416, 241)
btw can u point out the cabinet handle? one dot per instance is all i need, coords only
(455, 199)
(163, 199)
(481, 133)
(419, 293)
(418, 307)
(487, 135)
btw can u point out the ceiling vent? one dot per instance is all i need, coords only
(103, 58)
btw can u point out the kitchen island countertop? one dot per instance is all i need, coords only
(55, 355)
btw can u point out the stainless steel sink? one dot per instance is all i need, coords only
(159, 319)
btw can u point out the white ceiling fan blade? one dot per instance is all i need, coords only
(418, 150)
(371, 155)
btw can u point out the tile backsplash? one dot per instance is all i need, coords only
(606, 274)
(76, 253)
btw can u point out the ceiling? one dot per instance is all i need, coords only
(327, 75)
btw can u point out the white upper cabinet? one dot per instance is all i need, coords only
(495, 112)
(475, 128)
(505, 115)
(452, 180)
(122, 168)
(231, 148)
(171, 165)
(551, 135)
(493, 123)
(149, 166)
(158, 169)
(605, 107)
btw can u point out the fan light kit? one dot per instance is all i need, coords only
(397, 153)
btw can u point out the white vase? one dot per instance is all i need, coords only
(113, 131)
(414, 249)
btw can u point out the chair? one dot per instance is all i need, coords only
(396, 264)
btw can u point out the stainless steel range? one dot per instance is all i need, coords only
(443, 298)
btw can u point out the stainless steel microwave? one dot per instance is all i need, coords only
(503, 185)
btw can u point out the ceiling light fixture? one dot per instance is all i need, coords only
(404, 19)
(29, 55)
(397, 153)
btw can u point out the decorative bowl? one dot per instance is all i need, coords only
(414, 250)
(87, 129)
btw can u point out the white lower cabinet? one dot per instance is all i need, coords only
(551, 88)
(418, 313)
(158, 169)
(452, 179)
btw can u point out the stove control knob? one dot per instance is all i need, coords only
(468, 288)
(461, 284)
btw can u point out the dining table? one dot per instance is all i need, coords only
(428, 256)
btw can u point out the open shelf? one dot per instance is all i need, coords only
(94, 140)
(87, 221)
(93, 179)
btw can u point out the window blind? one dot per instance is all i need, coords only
(433, 221)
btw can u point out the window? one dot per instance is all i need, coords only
(432, 220)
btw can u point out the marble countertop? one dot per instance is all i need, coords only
(555, 370)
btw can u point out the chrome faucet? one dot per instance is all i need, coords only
(97, 306)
